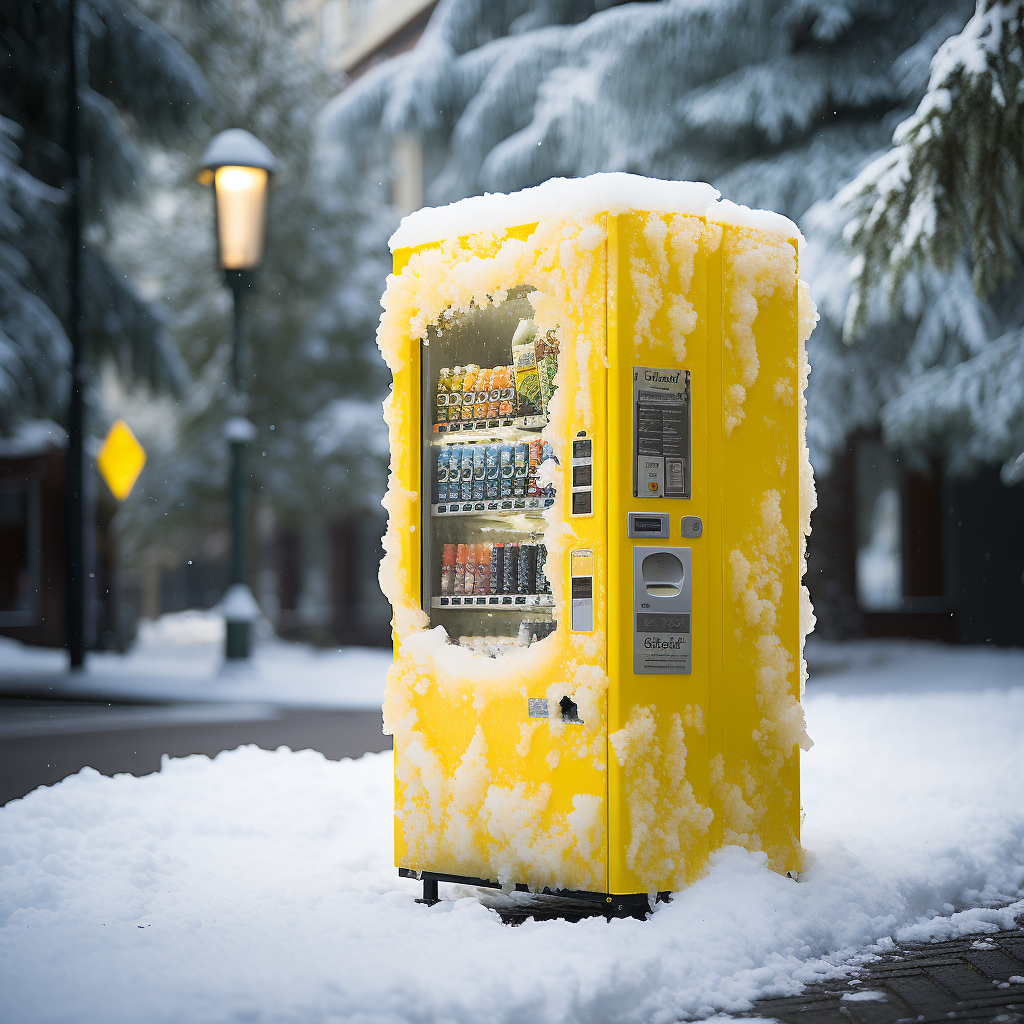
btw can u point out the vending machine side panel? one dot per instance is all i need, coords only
(661, 621)
(757, 776)
(404, 414)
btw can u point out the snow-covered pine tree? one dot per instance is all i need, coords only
(777, 104)
(135, 82)
(316, 377)
(947, 202)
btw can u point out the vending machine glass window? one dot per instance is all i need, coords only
(487, 376)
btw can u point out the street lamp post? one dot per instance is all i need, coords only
(238, 166)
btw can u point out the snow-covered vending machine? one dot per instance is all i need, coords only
(598, 503)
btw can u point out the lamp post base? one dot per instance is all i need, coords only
(237, 636)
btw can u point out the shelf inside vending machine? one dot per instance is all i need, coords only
(506, 507)
(504, 602)
(486, 380)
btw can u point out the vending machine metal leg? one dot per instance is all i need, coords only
(430, 896)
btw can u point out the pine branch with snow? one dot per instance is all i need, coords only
(955, 175)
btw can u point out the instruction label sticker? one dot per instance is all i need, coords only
(661, 432)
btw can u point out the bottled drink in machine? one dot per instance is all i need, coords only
(479, 471)
(448, 569)
(498, 568)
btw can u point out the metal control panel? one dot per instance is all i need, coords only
(661, 432)
(662, 609)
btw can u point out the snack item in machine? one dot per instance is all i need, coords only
(529, 400)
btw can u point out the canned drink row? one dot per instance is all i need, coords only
(498, 568)
(481, 472)
(471, 393)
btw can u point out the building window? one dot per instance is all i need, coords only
(879, 529)
(407, 183)
(900, 551)
(19, 553)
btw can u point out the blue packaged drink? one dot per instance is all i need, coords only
(479, 471)
(454, 472)
(442, 476)
(522, 470)
(493, 488)
(466, 488)
(507, 469)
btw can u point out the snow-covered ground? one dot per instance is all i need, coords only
(180, 657)
(261, 886)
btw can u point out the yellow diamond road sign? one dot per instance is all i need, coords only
(121, 460)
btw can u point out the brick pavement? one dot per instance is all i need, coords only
(961, 979)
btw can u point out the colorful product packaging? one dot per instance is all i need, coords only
(527, 583)
(529, 401)
(479, 471)
(547, 365)
(522, 469)
(448, 570)
(466, 486)
(454, 407)
(507, 467)
(510, 573)
(497, 581)
(482, 580)
(493, 485)
(507, 394)
(442, 475)
(459, 585)
(469, 580)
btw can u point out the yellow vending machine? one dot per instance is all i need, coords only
(598, 504)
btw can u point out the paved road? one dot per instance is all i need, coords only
(963, 979)
(42, 742)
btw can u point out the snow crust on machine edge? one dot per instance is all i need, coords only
(614, 192)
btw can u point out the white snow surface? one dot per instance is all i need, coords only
(260, 886)
(558, 198)
(180, 657)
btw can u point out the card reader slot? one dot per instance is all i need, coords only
(647, 524)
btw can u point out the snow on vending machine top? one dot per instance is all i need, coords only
(598, 504)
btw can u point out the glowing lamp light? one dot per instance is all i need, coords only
(238, 166)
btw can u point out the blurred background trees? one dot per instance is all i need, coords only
(779, 105)
(316, 378)
(376, 107)
(137, 87)
(949, 198)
